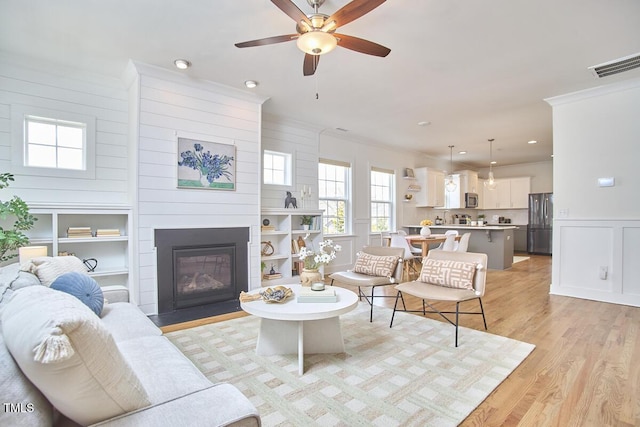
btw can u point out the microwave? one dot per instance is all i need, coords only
(470, 200)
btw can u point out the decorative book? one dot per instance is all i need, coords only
(307, 295)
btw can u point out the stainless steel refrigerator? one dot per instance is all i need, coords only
(540, 227)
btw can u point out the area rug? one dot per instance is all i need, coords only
(517, 258)
(410, 374)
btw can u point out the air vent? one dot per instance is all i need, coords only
(616, 66)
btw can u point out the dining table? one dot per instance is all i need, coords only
(425, 242)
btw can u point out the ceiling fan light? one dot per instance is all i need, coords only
(316, 42)
(331, 25)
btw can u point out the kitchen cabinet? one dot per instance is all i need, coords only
(432, 187)
(510, 193)
(520, 189)
(468, 183)
(280, 229)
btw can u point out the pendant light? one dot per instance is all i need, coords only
(490, 184)
(451, 185)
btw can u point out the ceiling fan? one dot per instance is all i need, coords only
(315, 33)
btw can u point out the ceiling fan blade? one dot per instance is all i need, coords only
(354, 10)
(361, 45)
(310, 64)
(268, 40)
(288, 7)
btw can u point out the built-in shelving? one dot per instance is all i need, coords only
(113, 254)
(287, 228)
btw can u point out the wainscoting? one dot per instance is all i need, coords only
(582, 248)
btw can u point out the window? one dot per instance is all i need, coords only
(333, 195)
(51, 143)
(382, 194)
(276, 168)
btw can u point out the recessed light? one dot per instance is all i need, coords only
(424, 123)
(532, 142)
(462, 152)
(182, 64)
(493, 162)
(251, 84)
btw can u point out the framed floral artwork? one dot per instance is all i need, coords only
(206, 165)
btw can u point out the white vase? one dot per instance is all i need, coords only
(425, 231)
(204, 181)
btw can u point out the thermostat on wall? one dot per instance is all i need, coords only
(606, 182)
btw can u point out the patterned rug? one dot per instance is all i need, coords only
(410, 374)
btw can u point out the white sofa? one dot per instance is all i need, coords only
(177, 392)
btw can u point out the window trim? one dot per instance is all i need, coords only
(392, 197)
(19, 114)
(348, 191)
(288, 172)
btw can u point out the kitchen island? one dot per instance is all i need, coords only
(494, 240)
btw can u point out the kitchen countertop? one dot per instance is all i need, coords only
(468, 227)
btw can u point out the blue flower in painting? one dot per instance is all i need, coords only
(213, 166)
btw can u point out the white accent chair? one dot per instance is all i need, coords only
(359, 280)
(434, 292)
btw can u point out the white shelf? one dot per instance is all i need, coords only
(288, 228)
(113, 253)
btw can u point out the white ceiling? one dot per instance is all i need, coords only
(474, 69)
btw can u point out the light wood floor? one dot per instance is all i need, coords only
(585, 370)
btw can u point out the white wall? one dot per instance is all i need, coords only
(45, 86)
(301, 141)
(596, 134)
(171, 105)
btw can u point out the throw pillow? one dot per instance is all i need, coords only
(49, 268)
(375, 265)
(65, 350)
(83, 287)
(448, 273)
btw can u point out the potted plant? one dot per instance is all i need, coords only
(13, 238)
(306, 221)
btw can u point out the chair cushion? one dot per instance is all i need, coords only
(375, 265)
(448, 273)
(64, 349)
(83, 287)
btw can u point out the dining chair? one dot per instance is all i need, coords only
(415, 249)
(447, 277)
(410, 258)
(463, 244)
(449, 244)
(447, 234)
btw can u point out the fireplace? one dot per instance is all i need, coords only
(201, 272)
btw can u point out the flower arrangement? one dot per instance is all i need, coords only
(211, 166)
(313, 260)
(426, 222)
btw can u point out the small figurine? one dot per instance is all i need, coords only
(272, 271)
(290, 201)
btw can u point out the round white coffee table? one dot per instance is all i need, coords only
(303, 327)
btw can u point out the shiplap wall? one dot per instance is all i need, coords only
(44, 86)
(301, 141)
(170, 106)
